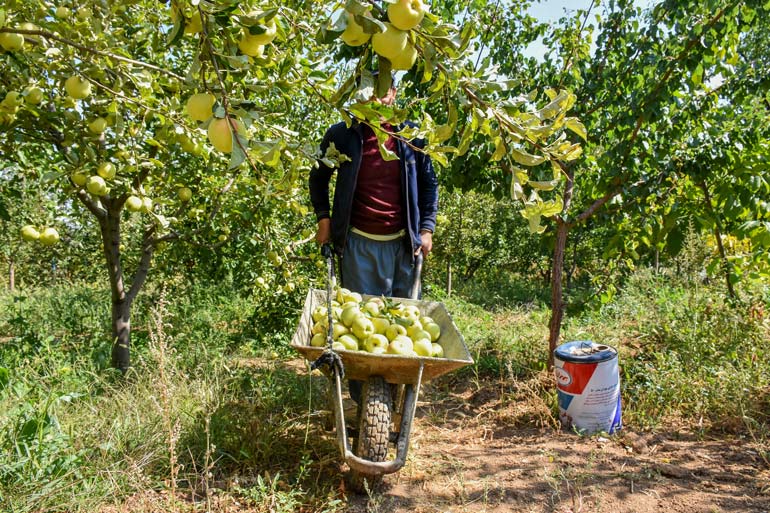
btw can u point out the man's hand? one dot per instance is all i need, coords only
(427, 242)
(324, 232)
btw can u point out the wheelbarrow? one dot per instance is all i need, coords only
(391, 385)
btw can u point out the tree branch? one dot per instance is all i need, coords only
(87, 49)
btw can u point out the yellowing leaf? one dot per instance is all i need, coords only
(575, 152)
(577, 127)
(499, 149)
(526, 159)
(517, 192)
(544, 186)
(551, 207)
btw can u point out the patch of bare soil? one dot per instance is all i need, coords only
(478, 452)
(487, 447)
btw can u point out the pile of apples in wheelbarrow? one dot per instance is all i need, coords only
(376, 325)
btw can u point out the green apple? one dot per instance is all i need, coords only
(390, 43)
(353, 297)
(251, 46)
(419, 335)
(49, 236)
(29, 233)
(412, 311)
(349, 314)
(12, 101)
(318, 340)
(267, 36)
(319, 312)
(379, 350)
(199, 106)
(372, 308)
(423, 347)
(338, 330)
(98, 125)
(195, 24)
(349, 341)
(11, 42)
(406, 14)
(134, 203)
(147, 205)
(339, 346)
(434, 330)
(106, 170)
(381, 324)
(341, 293)
(362, 327)
(401, 345)
(220, 133)
(322, 326)
(394, 330)
(375, 341)
(96, 186)
(185, 194)
(354, 34)
(437, 350)
(33, 95)
(79, 178)
(413, 328)
(77, 88)
(406, 59)
(426, 320)
(62, 12)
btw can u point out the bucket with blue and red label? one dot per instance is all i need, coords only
(588, 386)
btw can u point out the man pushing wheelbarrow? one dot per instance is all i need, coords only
(380, 227)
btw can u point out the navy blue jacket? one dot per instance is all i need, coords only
(419, 186)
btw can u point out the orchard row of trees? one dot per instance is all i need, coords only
(182, 132)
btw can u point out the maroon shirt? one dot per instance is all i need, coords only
(377, 205)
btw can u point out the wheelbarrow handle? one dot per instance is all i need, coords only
(414, 292)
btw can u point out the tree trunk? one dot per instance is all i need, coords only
(121, 335)
(449, 277)
(725, 264)
(557, 301)
(557, 266)
(11, 276)
(121, 304)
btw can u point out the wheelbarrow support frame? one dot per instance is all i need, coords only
(364, 466)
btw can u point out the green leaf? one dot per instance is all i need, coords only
(465, 141)
(5, 374)
(237, 156)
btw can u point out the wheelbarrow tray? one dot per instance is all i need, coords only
(396, 369)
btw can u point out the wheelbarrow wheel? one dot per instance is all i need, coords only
(373, 431)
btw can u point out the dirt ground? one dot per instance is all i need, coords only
(473, 452)
(485, 446)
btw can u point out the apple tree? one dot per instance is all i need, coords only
(176, 122)
(665, 114)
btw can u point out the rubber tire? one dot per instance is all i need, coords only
(373, 431)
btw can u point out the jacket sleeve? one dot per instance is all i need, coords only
(427, 194)
(318, 182)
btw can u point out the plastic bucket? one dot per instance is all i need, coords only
(588, 386)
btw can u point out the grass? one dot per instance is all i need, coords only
(212, 410)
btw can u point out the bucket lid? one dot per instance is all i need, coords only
(584, 351)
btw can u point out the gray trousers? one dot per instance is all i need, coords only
(376, 267)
